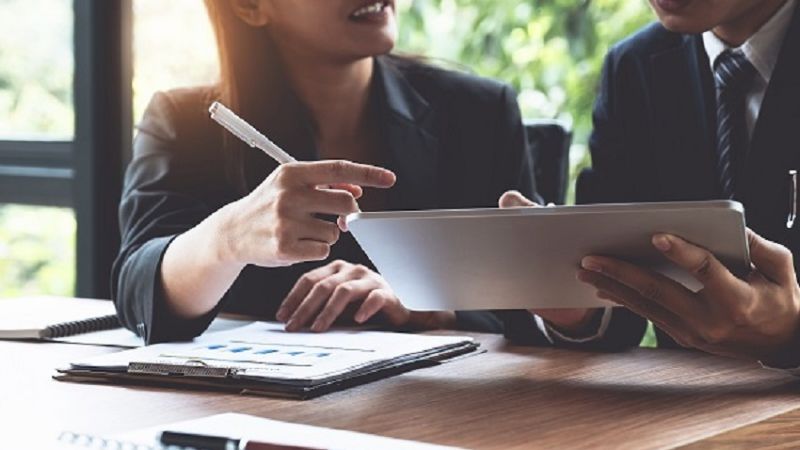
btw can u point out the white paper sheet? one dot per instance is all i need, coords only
(269, 431)
(265, 351)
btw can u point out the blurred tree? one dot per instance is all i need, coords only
(5, 75)
(36, 69)
(550, 51)
(37, 251)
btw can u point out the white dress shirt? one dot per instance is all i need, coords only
(762, 50)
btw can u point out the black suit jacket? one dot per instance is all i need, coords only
(654, 140)
(454, 141)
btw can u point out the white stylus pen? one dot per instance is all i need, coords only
(249, 135)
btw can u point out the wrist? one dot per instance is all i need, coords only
(785, 356)
(221, 245)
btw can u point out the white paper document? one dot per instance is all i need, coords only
(241, 426)
(264, 351)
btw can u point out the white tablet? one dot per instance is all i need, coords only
(529, 257)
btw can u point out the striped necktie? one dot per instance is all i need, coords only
(733, 75)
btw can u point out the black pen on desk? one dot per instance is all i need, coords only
(203, 442)
(792, 214)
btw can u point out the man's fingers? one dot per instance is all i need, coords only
(513, 199)
(703, 265)
(609, 289)
(343, 295)
(666, 327)
(337, 172)
(650, 285)
(678, 333)
(773, 260)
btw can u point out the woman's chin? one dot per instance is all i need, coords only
(375, 45)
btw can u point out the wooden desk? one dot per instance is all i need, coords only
(509, 397)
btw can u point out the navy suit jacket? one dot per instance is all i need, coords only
(654, 140)
(454, 140)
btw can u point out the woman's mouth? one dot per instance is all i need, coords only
(672, 6)
(375, 11)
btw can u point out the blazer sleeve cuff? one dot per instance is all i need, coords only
(155, 320)
(519, 327)
(594, 332)
(478, 321)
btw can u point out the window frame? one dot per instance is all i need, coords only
(36, 172)
(85, 173)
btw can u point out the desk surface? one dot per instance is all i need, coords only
(508, 397)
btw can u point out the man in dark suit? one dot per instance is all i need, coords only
(703, 105)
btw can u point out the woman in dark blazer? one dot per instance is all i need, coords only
(209, 224)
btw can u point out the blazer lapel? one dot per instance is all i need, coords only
(413, 149)
(778, 119)
(682, 92)
(775, 149)
(781, 106)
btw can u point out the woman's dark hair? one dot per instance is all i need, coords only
(246, 59)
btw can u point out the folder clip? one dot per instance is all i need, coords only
(192, 368)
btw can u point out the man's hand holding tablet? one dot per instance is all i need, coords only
(757, 317)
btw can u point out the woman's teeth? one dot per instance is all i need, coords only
(369, 9)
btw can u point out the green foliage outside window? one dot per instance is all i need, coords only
(550, 51)
(37, 251)
(36, 66)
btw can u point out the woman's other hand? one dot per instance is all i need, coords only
(322, 295)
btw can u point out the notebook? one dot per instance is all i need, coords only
(53, 318)
(241, 426)
(263, 359)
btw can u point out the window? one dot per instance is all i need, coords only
(37, 251)
(37, 243)
(174, 46)
(64, 118)
(36, 69)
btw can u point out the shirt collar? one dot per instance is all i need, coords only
(763, 48)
